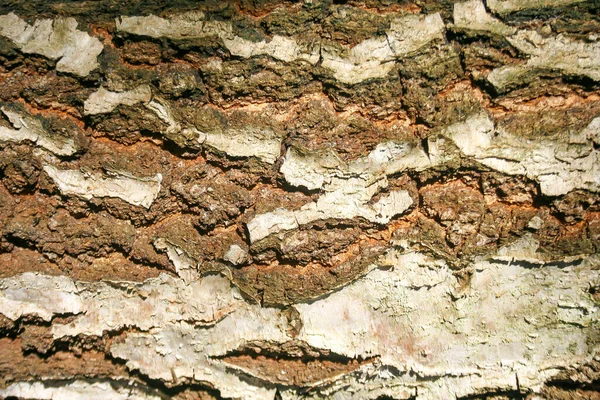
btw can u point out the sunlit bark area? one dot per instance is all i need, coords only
(376, 199)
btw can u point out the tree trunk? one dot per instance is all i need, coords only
(370, 199)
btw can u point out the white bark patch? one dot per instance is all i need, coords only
(163, 111)
(102, 306)
(374, 58)
(512, 322)
(75, 390)
(348, 188)
(559, 167)
(471, 15)
(235, 255)
(413, 32)
(157, 302)
(104, 101)
(185, 266)
(263, 143)
(508, 6)
(345, 203)
(30, 129)
(352, 70)
(280, 48)
(556, 53)
(193, 26)
(58, 39)
(184, 352)
(35, 294)
(591, 132)
(134, 190)
(180, 352)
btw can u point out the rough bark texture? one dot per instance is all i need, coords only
(369, 199)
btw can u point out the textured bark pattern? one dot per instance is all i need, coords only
(278, 200)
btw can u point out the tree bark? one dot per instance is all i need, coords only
(300, 200)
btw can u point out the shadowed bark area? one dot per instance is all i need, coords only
(300, 199)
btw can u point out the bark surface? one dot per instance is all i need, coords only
(300, 200)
